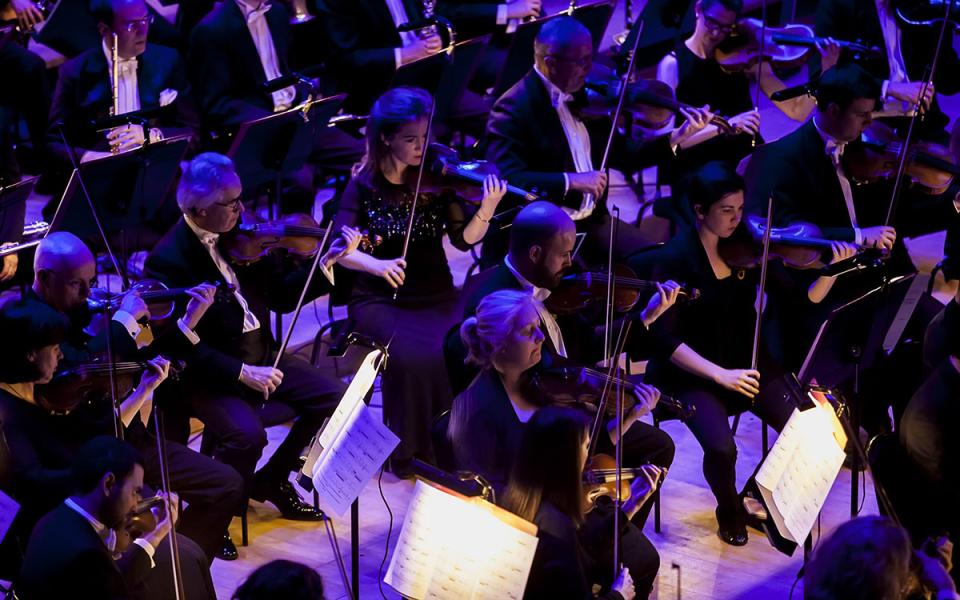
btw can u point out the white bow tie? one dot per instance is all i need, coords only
(834, 150)
(557, 98)
(209, 239)
(258, 12)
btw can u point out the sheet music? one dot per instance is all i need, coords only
(356, 391)
(353, 457)
(8, 512)
(797, 475)
(452, 549)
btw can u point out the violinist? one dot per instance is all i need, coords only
(905, 53)
(539, 141)
(575, 550)
(411, 300)
(230, 383)
(48, 452)
(703, 346)
(698, 79)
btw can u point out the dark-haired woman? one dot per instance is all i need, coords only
(379, 199)
(705, 346)
(575, 553)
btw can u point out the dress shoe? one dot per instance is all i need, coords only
(286, 499)
(732, 531)
(227, 551)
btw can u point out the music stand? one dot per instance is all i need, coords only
(519, 60)
(266, 149)
(130, 192)
(13, 208)
(446, 76)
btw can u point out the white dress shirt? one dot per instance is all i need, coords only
(263, 41)
(209, 241)
(128, 97)
(400, 17)
(549, 321)
(578, 140)
(106, 534)
(892, 43)
(834, 149)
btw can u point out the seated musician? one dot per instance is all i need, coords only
(151, 77)
(230, 383)
(408, 299)
(11, 233)
(48, 452)
(705, 345)
(538, 141)
(806, 174)
(63, 271)
(233, 51)
(698, 79)
(575, 550)
(905, 53)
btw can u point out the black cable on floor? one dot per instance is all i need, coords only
(386, 545)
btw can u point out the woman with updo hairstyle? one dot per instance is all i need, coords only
(378, 199)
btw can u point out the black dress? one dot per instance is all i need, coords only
(718, 326)
(415, 386)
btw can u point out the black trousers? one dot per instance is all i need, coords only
(637, 553)
(213, 491)
(197, 582)
(710, 425)
(237, 420)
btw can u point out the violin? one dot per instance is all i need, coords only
(651, 103)
(298, 234)
(859, 50)
(160, 300)
(141, 520)
(928, 13)
(742, 50)
(89, 382)
(446, 172)
(582, 387)
(929, 166)
(799, 245)
(581, 290)
(600, 479)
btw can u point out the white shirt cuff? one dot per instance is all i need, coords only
(148, 549)
(501, 14)
(956, 203)
(566, 183)
(328, 273)
(397, 57)
(128, 322)
(858, 236)
(883, 89)
(187, 332)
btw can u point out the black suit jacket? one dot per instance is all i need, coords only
(273, 283)
(527, 143)
(67, 559)
(225, 68)
(83, 94)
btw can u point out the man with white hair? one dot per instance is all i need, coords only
(233, 387)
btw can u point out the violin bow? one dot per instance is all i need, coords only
(622, 97)
(164, 465)
(763, 49)
(762, 289)
(416, 190)
(917, 113)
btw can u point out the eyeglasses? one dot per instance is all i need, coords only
(584, 63)
(716, 26)
(138, 24)
(234, 204)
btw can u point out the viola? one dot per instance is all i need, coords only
(298, 234)
(446, 172)
(90, 382)
(799, 245)
(650, 102)
(160, 300)
(580, 290)
(742, 50)
(929, 166)
(583, 387)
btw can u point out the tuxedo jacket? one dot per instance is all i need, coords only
(527, 143)
(83, 94)
(180, 260)
(225, 68)
(67, 559)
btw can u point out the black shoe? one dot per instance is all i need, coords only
(227, 551)
(732, 531)
(286, 499)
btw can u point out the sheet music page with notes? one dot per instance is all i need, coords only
(453, 548)
(356, 391)
(800, 470)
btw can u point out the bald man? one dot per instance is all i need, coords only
(538, 141)
(541, 244)
(151, 77)
(64, 273)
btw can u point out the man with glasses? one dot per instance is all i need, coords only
(538, 140)
(150, 77)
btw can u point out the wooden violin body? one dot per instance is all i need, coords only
(578, 291)
(298, 234)
(89, 382)
(160, 300)
(446, 172)
(798, 245)
(742, 50)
